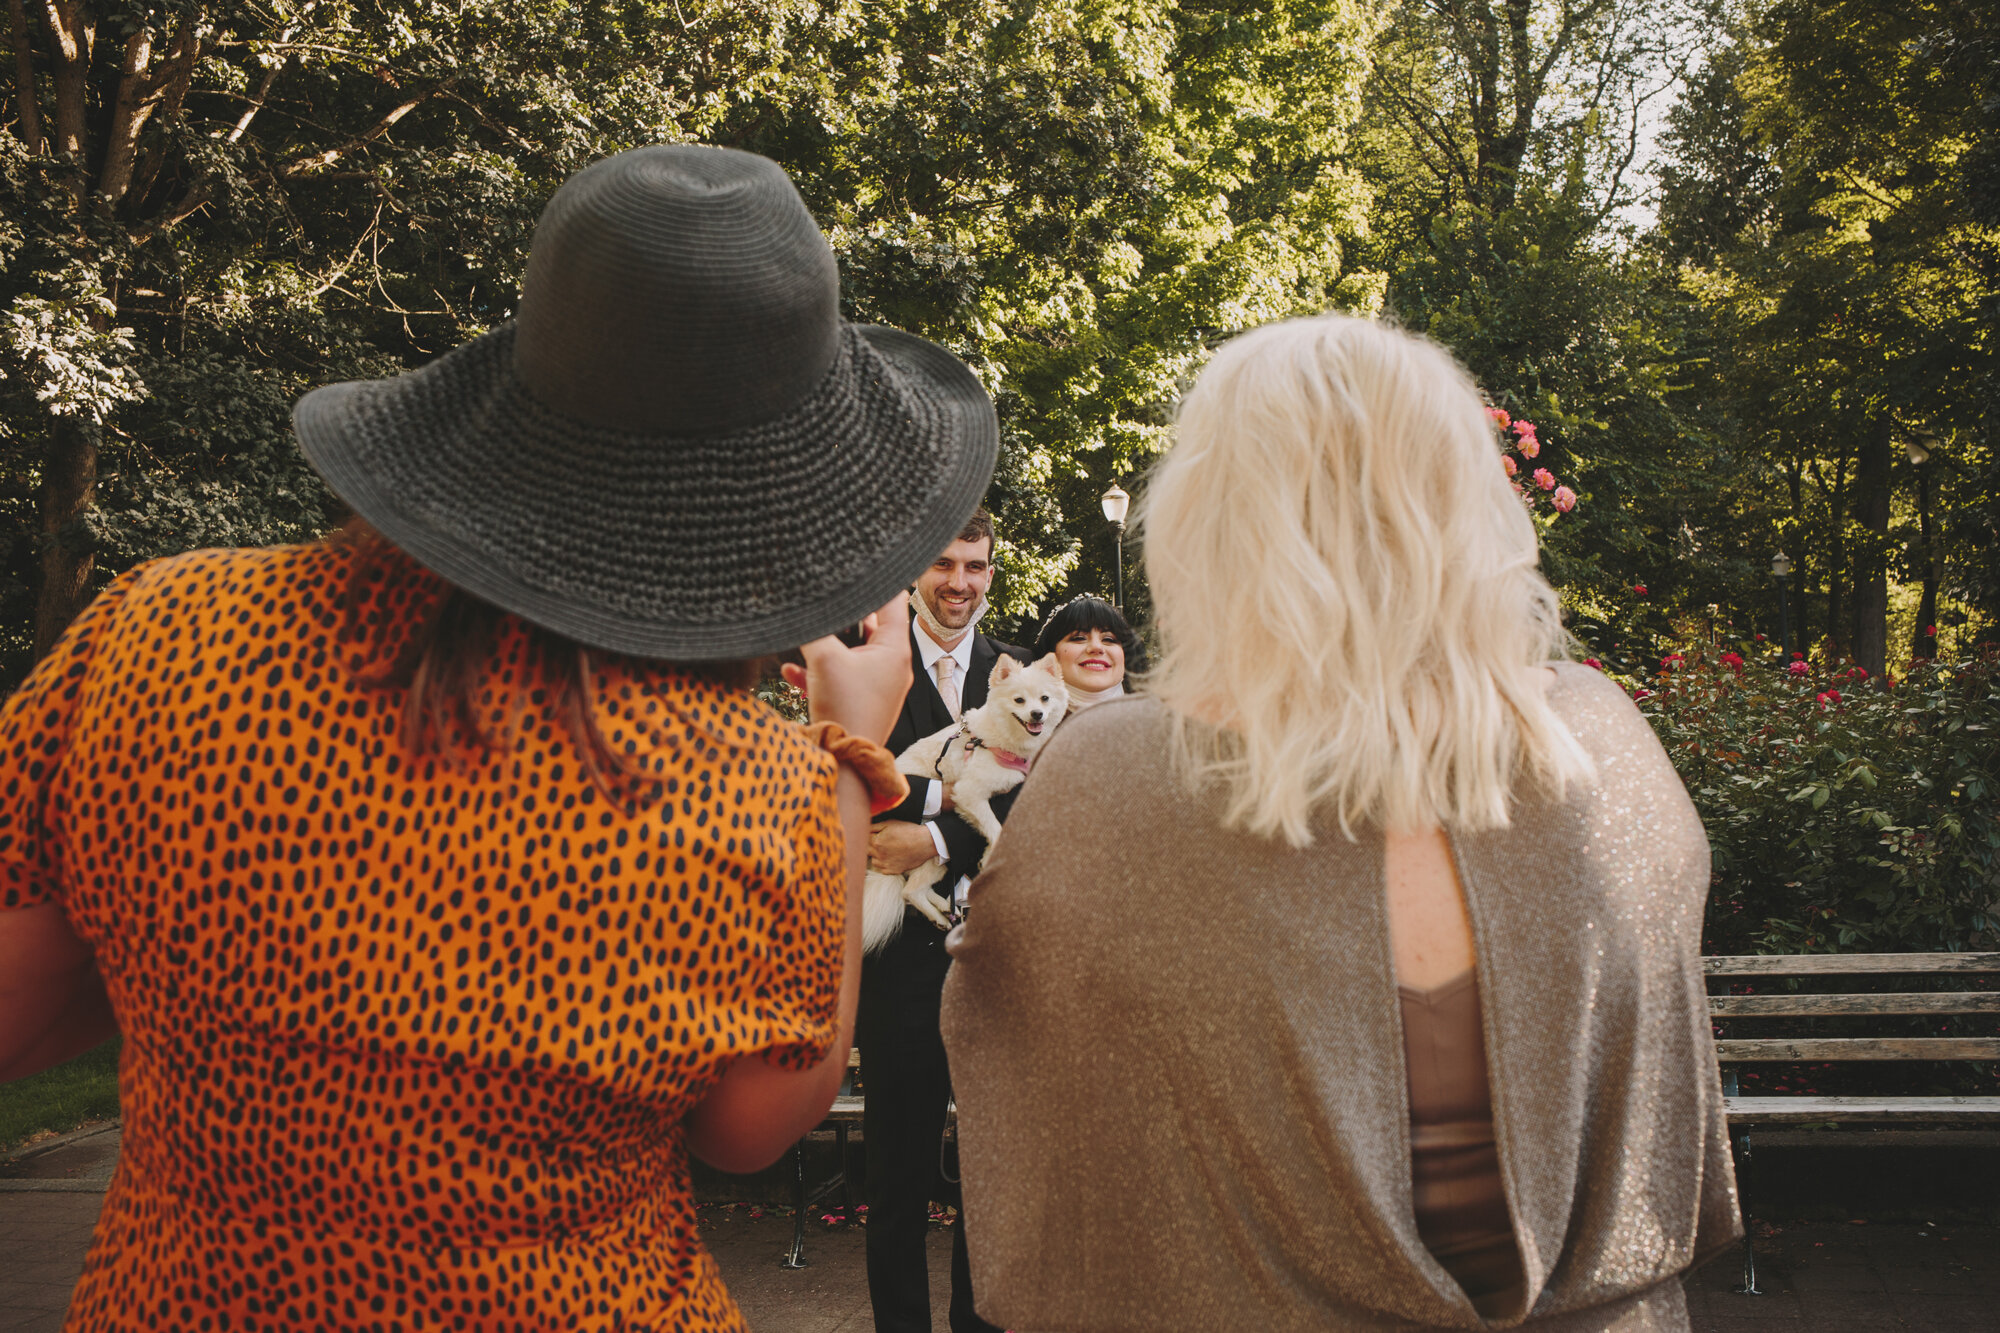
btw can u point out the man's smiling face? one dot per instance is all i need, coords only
(954, 587)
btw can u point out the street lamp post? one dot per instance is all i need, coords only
(1781, 569)
(1116, 502)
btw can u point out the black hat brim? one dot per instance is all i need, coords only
(686, 548)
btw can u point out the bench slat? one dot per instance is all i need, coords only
(1858, 1110)
(1813, 964)
(1738, 1051)
(1945, 1002)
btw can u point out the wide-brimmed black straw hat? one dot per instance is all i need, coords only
(676, 448)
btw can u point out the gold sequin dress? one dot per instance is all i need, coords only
(1179, 1060)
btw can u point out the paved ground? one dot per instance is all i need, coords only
(1817, 1278)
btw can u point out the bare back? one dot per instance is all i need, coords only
(1429, 930)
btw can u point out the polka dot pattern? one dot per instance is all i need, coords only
(408, 1040)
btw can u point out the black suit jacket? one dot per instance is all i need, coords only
(900, 985)
(924, 713)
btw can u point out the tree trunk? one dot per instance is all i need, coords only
(1802, 608)
(1870, 640)
(69, 476)
(1923, 638)
(1836, 563)
(128, 117)
(71, 35)
(1799, 607)
(27, 109)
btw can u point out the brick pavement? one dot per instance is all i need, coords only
(1821, 1277)
(43, 1236)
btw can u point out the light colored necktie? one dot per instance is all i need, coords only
(947, 683)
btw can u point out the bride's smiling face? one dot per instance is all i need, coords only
(1091, 659)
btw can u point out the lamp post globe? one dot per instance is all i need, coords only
(1117, 504)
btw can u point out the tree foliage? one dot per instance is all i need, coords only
(210, 208)
(1821, 209)
(1501, 141)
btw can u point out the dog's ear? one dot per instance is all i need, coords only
(1050, 665)
(1004, 666)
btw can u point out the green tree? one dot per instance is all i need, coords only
(1501, 140)
(1081, 200)
(1820, 212)
(211, 207)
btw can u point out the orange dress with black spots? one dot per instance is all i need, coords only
(407, 1044)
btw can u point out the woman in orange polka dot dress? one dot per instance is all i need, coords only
(442, 914)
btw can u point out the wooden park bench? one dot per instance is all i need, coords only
(841, 1117)
(1938, 1119)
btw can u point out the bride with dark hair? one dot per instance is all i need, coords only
(1096, 648)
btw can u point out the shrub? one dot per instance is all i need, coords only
(1844, 814)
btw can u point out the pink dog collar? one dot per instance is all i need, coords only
(1020, 763)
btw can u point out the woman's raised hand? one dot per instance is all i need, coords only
(860, 688)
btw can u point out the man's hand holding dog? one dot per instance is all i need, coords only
(897, 847)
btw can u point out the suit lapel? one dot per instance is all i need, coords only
(983, 655)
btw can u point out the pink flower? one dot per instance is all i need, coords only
(1639, 588)
(1930, 631)
(1545, 479)
(1593, 662)
(1565, 498)
(1529, 446)
(1508, 463)
(1760, 638)
(1671, 660)
(1800, 669)
(1499, 416)
(1641, 693)
(1525, 429)
(1733, 661)
(1820, 699)
(1833, 695)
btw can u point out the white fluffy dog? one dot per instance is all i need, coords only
(984, 753)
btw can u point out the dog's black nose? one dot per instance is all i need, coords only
(1035, 716)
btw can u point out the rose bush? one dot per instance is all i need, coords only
(1843, 816)
(1519, 441)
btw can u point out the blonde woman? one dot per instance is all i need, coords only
(1382, 1008)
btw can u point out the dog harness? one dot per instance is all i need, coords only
(1020, 763)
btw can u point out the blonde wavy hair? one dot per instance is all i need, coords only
(1346, 592)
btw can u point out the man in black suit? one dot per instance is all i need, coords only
(902, 1054)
